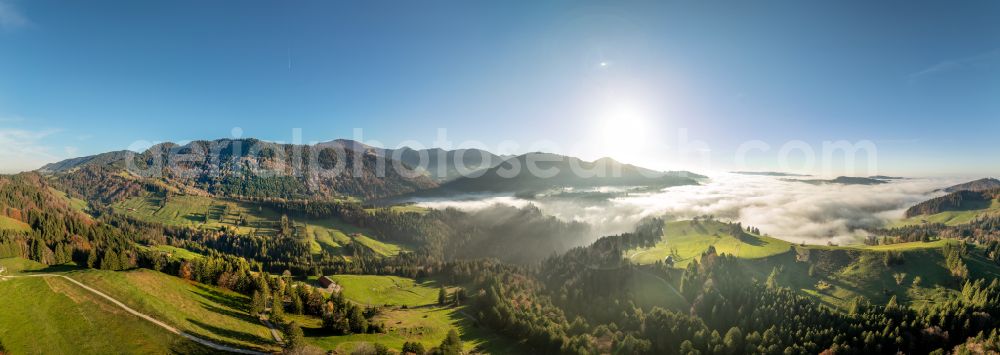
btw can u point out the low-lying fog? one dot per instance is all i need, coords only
(793, 211)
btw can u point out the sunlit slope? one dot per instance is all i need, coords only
(951, 218)
(837, 275)
(686, 240)
(830, 274)
(204, 311)
(50, 315)
(410, 313)
(13, 224)
(377, 290)
(326, 234)
(425, 325)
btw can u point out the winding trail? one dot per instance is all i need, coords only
(210, 344)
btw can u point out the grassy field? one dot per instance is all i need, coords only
(839, 274)
(204, 311)
(174, 252)
(77, 204)
(15, 266)
(407, 208)
(411, 315)
(387, 290)
(426, 325)
(326, 234)
(842, 273)
(951, 218)
(649, 290)
(197, 309)
(53, 316)
(937, 244)
(13, 224)
(690, 238)
(48, 315)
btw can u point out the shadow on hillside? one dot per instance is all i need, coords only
(751, 239)
(210, 294)
(311, 332)
(226, 333)
(183, 346)
(55, 269)
(487, 341)
(227, 312)
(195, 217)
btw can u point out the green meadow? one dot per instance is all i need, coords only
(204, 311)
(322, 234)
(689, 239)
(387, 290)
(425, 325)
(75, 203)
(201, 310)
(13, 224)
(53, 316)
(951, 218)
(839, 274)
(172, 251)
(50, 315)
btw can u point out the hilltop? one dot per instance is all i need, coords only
(961, 200)
(684, 241)
(767, 173)
(842, 180)
(977, 185)
(438, 164)
(964, 203)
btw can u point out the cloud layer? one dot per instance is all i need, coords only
(792, 211)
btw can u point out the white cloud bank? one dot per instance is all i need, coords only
(792, 211)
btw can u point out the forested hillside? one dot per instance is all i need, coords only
(254, 168)
(509, 279)
(961, 200)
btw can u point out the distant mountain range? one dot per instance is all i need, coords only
(257, 169)
(253, 168)
(885, 177)
(842, 180)
(552, 170)
(767, 173)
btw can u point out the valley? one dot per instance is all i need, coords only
(337, 274)
(582, 177)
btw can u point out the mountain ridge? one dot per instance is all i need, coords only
(250, 167)
(975, 185)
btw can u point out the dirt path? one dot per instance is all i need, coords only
(163, 325)
(274, 331)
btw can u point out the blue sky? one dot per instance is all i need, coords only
(633, 80)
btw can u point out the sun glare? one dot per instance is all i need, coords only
(623, 134)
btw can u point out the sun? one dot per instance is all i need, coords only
(623, 133)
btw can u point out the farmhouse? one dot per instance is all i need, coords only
(329, 285)
(325, 281)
